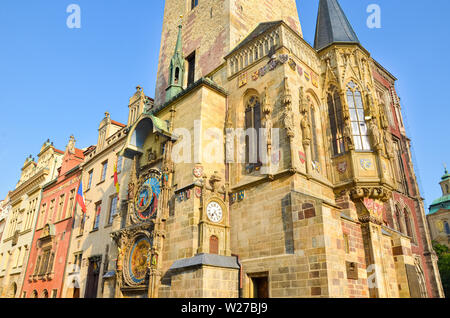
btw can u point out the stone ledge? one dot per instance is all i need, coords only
(206, 259)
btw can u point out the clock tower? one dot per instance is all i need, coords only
(211, 29)
(214, 225)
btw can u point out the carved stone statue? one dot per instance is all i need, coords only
(268, 125)
(287, 100)
(71, 145)
(375, 134)
(370, 104)
(302, 101)
(266, 107)
(215, 178)
(348, 135)
(306, 129)
(289, 122)
(383, 119)
(388, 142)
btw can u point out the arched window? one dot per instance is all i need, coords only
(408, 223)
(336, 122)
(357, 118)
(45, 293)
(34, 294)
(177, 75)
(213, 245)
(446, 189)
(447, 228)
(398, 220)
(252, 127)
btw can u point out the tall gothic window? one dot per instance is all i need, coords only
(399, 220)
(359, 127)
(336, 122)
(408, 224)
(447, 228)
(252, 120)
(194, 3)
(314, 144)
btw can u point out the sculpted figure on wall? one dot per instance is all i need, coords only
(375, 134)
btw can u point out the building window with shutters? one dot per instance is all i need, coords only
(44, 262)
(91, 174)
(112, 209)
(61, 208)
(104, 170)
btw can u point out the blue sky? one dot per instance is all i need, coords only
(56, 81)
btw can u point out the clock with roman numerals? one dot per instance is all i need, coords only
(214, 212)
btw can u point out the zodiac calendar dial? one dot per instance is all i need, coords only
(146, 201)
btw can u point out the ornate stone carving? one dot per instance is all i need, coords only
(306, 129)
(288, 116)
(372, 192)
(266, 106)
(375, 134)
(71, 145)
(348, 135)
(388, 142)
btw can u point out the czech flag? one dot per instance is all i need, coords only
(80, 198)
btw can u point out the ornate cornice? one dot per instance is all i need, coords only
(34, 183)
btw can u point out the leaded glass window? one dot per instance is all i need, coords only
(357, 118)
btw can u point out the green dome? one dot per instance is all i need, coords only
(441, 203)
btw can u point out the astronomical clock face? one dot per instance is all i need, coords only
(146, 201)
(138, 260)
(214, 212)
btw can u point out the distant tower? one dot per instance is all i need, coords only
(439, 216)
(212, 28)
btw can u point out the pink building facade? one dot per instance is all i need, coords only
(48, 255)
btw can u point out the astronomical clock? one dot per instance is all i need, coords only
(137, 253)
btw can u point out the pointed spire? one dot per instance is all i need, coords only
(332, 25)
(176, 70)
(179, 45)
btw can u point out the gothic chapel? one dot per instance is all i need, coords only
(335, 211)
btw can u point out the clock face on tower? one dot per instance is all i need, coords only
(214, 212)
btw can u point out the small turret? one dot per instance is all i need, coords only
(176, 69)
